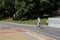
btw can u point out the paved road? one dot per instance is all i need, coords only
(15, 33)
(49, 32)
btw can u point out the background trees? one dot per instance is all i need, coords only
(27, 9)
(6, 8)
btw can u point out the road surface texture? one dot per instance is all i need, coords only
(15, 34)
(47, 31)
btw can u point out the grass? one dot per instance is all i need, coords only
(34, 22)
(43, 21)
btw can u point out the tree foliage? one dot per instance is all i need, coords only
(27, 9)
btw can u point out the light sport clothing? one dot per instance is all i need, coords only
(38, 21)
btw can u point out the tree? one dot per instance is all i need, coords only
(6, 8)
(27, 9)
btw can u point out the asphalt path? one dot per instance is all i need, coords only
(47, 31)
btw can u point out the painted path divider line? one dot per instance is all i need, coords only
(38, 36)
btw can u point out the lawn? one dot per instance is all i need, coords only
(43, 21)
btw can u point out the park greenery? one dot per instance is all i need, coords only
(28, 9)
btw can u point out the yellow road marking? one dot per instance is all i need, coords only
(38, 36)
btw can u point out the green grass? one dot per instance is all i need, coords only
(43, 21)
